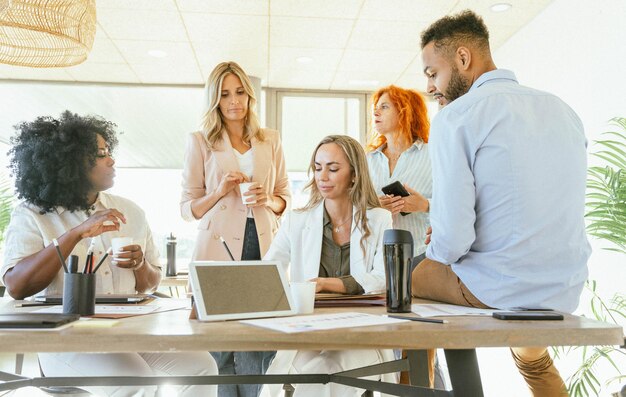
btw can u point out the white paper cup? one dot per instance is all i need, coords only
(243, 188)
(117, 244)
(303, 296)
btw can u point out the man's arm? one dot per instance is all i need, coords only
(452, 215)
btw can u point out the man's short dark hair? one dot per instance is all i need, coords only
(453, 31)
(51, 159)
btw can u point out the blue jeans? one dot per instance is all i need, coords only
(244, 363)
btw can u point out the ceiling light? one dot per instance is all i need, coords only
(157, 53)
(304, 59)
(501, 7)
(373, 83)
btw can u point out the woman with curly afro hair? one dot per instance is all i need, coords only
(62, 168)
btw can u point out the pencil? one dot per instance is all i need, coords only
(56, 245)
(420, 319)
(227, 249)
(102, 260)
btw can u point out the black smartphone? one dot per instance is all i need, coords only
(396, 189)
(528, 315)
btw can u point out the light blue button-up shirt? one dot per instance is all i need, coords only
(509, 173)
(412, 169)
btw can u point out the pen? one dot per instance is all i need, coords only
(421, 319)
(31, 304)
(102, 260)
(56, 245)
(227, 249)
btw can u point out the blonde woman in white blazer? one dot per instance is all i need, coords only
(342, 218)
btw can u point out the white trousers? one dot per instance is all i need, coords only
(325, 362)
(133, 364)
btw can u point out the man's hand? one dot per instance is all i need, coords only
(429, 232)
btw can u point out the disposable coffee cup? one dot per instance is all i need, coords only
(117, 244)
(79, 293)
(303, 296)
(243, 188)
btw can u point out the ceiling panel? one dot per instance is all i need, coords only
(253, 63)
(376, 62)
(105, 72)
(176, 73)
(381, 35)
(238, 31)
(290, 78)
(316, 9)
(321, 59)
(361, 81)
(309, 32)
(142, 25)
(136, 52)
(406, 10)
(241, 7)
(163, 5)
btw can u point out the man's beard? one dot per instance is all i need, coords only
(457, 87)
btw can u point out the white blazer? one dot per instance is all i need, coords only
(298, 246)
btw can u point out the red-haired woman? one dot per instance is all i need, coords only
(398, 151)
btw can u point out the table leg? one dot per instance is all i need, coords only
(418, 367)
(464, 373)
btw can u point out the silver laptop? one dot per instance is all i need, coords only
(100, 299)
(239, 290)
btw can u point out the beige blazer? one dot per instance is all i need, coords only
(203, 170)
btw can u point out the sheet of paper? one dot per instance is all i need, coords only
(318, 322)
(443, 309)
(107, 309)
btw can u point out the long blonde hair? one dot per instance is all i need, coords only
(362, 193)
(212, 121)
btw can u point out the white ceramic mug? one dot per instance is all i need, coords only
(303, 296)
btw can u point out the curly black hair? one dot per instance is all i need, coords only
(452, 31)
(51, 159)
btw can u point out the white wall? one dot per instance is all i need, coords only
(583, 62)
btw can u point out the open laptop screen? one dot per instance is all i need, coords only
(238, 290)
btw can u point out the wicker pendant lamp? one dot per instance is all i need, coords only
(46, 33)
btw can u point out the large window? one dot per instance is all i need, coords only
(305, 118)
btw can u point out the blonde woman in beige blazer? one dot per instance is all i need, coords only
(232, 149)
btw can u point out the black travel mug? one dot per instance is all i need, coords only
(170, 270)
(398, 252)
(79, 291)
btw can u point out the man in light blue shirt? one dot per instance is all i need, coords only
(509, 173)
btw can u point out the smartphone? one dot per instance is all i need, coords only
(396, 189)
(528, 315)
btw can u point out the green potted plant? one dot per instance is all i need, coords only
(606, 216)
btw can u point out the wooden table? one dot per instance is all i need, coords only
(172, 331)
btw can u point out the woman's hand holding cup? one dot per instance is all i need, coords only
(126, 255)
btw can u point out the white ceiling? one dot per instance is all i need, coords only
(354, 44)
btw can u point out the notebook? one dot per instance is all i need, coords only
(100, 299)
(239, 290)
(36, 320)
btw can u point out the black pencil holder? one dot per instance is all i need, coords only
(79, 294)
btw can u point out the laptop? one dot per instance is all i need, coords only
(100, 299)
(36, 320)
(239, 290)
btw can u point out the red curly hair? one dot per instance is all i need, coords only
(412, 116)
